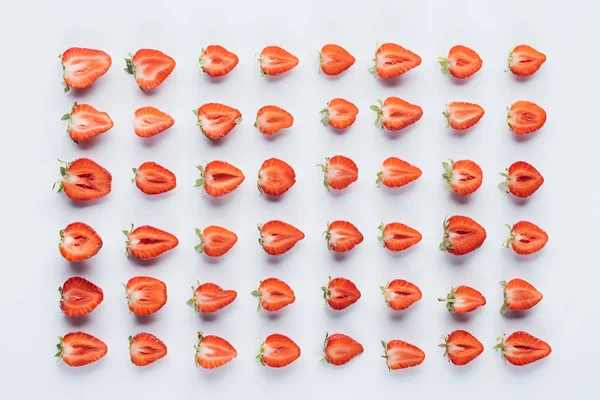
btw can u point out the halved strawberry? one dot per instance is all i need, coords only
(274, 61)
(392, 60)
(400, 355)
(213, 351)
(78, 297)
(396, 172)
(340, 293)
(217, 61)
(77, 349)
(339, 113)
(219, 178)
(524, 60)
(217, 120)
(461, 347)
(340, 349)
(215, 241)
(462, 176)
(85, 122)
(81, 66)
(522, 348)
(525, 117)
(271, 119)
(342, 236)
(78, 242)
(277, 237)
(210, 297)
(149, 67)
(278, 351)
(339, 171)
(145, 295)
(83, 180)
(396, 236)
(526, 238)
(273, 295)
(462, 235)
(461, 63)
(400, 294)
(519, 295)
(462, 115)
(152, 178)
(145, 348)
(150, 121)
(335, 59)
(522, 179)
(275, 177)
(463, 299)
(146, 242)
(396, 114)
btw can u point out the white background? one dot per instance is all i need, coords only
(565, 151)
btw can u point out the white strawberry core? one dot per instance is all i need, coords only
(133, 242)
(67, 240)
(66, 350)
(458, 302)
(206, 60)
(78, 122)
(333, 239)
(457, 176)
(267, 239)
(205, 122)
(144, 121)
(205, 351)
(134, 296)
(71, 179)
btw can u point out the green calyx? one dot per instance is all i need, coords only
(511, 237)
(325, 348)
(261, 241)
(445, 63)
(200, 181)
(379, 111)
(448, 172)
(381, 238)
(373, 69)
(260, 189)
(60, 348)
(257, 294)
(326, 291)
(385, 293)
(325, 168)
(327, 234)
(445, 346)
(200, 247)
(450, 299)
(197, 347)
(67, 116)
(259, 356)
(504, 185)
(192, 302)
(504, 307)
(134, 175)
(64, 173)
(379, 179)
(201, 60)
(446, 243)
(447, 115)
(129, 65)
(127, 233)
(325, 113)
(500, 346)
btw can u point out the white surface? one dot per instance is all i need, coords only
(566, 206)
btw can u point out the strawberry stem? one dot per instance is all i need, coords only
(445, 63)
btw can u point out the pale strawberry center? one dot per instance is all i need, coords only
(145, 121)
(205, 351)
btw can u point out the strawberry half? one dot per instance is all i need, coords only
(461, 347)
(525, 117)
(219, 178)
(83, 180)
(400, 294)
(213, 351)
(272, 119)
(85, 122)
(217, 61)
(339, 172)
(150, 121)
(145, 295)
(273, 295)
(150, 68)
(146, 242)
(78, 242)
(340, 293)
(397, 237)
(526, 238)
(462, 62)
(396, 172)
(278, 351)
(392, 60)
(145, 348)
(395, 114)
(217, 120)
(400, 355)
(78, 297)
(152, 178)
(275, 177)
(519, 295)
(462, 176)
(77, 349)
(215, 241)
(462, 235)
(462, 115)
(340, 349)
(335, 59)
(210, 297)
(274, 61)
(277, 237)
(339, 113)
(522, 179)
(522, 348)
(81, 67)
(463, 299)
(342, 236)
(524, 60)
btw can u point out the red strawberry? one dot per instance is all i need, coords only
(219, 178)
(85, 122)
(145, 348)
(339, 113)
(400, 294)
(77, 349)
(83, 180)
(146, 242)
(461, 115)
(271, 119)
(400, 355)
(397, 237)
(396, 172)
(341, 349)
(215, 241)
(149, 67)
(461, 63)
(461, 347)
(463, 299)
(217, 61)
(79, 297)
(521, 348)
(519, 295)
(524, 60)
(525, 117)
(342, 236)
(78, 242)
(274, 294)
(526, 238)
(217, 120)
(213, 351)
(145, 295)
(210, 297)
(340, 293)
(150, 121)
(152, 178)
(392, 60)
(335, 59)
(340, 172)
(395, 113)
(81, 67)
(462, 176)
(277, 237)
(462, 235)
(522, 179)
(275, 177)
(278, 351)
(274, 61)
